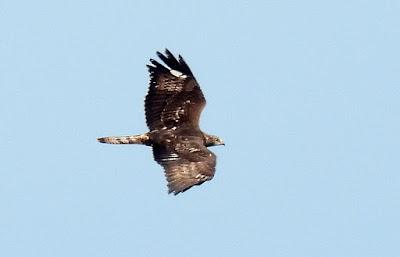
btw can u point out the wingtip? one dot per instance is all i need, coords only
(154, 64)
(173, 191)
(159, 54)
(168, 52)
(181, 60)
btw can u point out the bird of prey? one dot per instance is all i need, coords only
(172, 108)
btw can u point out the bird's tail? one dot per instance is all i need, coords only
(142, 139)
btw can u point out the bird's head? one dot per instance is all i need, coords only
(212, 140)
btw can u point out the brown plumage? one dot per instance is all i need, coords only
(172, 107)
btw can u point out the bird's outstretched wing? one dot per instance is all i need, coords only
(174, 96)
(186, 164)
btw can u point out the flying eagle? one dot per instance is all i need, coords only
(172, 107)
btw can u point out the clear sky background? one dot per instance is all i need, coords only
(306, 95)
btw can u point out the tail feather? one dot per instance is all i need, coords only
(137, 139)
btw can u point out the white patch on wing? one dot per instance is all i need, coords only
(193, 150)
(201, 177)
(178, 74)
(171, 157)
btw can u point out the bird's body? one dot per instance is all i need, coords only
(172, 107)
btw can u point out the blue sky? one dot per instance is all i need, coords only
(306, 95)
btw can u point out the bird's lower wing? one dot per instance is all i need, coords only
(189, 164)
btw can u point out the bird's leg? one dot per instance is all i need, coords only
(142, 139)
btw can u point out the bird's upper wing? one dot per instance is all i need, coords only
(186, 163)
(174, 96)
